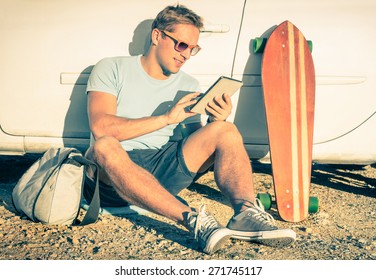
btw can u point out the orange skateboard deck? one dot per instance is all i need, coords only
(288, 80)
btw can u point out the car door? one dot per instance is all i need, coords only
(48, 49)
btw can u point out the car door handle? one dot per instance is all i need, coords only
(215, 28)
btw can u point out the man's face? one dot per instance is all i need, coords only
(170, 59)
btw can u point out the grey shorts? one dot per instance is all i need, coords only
(167, 165)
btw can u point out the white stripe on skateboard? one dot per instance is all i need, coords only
(304, 124)
(294, 123)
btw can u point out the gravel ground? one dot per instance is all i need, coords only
(343, 229)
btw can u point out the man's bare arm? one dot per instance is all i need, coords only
(104, 122)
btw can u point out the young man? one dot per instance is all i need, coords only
(132, 116)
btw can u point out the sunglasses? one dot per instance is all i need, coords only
(181, 46)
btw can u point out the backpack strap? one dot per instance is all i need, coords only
(92, 212)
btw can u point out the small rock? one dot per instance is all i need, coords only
(362, 241)
(171, 248)
(74, 240)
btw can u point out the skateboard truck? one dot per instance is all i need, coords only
(259, 44)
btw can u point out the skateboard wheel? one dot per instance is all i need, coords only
(313, 206)
(310, 45)
(266, 200)
(259, 44)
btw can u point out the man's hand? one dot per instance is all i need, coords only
(220, 108)
(178, 113)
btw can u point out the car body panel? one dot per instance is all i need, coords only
(49, 48)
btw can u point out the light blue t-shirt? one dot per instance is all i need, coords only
(139, 95)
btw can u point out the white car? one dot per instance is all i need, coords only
(48, 49)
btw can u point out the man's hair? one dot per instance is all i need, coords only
(179, 14)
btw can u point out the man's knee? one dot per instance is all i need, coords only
(102, 152)
(105, 143)
(225, 131)
(104, 149)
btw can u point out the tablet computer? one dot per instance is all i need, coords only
(221, 86)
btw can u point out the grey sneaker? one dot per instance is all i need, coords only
(209, 234)
(256, 225)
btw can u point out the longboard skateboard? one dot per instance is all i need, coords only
(288, 81)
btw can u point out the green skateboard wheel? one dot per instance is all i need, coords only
(259, 44)
(313, 206)
(266, 200)
(310, 45)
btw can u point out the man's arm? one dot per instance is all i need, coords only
(104, 122)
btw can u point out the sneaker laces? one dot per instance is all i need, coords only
(205, 224)
(262, 215)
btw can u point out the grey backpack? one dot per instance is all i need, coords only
(51, 190)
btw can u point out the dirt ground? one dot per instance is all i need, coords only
(343, 229)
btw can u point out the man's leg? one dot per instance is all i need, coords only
(137, 186)
(221, 143)
(133, 183)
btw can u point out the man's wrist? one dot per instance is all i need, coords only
(165, 120)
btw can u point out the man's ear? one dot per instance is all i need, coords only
(155, 35)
